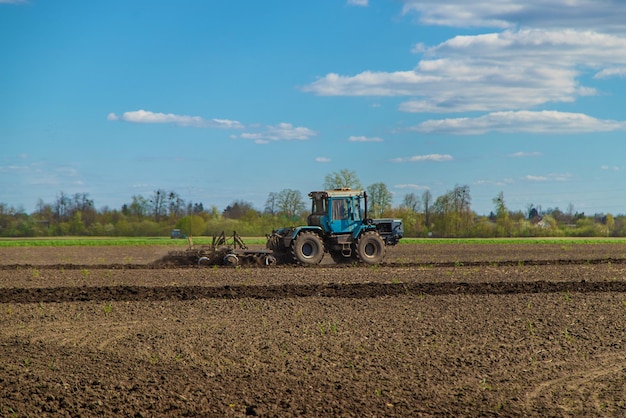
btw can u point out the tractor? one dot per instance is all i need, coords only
(339, 225)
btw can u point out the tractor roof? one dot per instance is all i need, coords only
(343, 192)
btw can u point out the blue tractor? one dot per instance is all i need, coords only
(338, 224)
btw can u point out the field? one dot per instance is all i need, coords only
(457, 329)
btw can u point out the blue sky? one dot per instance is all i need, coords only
(223, 101)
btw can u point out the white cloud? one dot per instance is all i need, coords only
(605, 15)
(322, 159)
(259, 133)
(498, 183)
(611, 72)
(611, 168)
(548, 177)
(420, 158)
(281, 132)
(523, 154)
(362, 3)
(365, 139)
(511, 70)
(145, 116)
(522, 121)
(411, 186)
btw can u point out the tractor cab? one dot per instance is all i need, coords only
(337, 211)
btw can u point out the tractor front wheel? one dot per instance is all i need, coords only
(370, 248)
(308, 248)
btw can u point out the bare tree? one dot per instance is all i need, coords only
(62, 207)
(290, 202)
(158, 203)
(411, 202)
(380, 198)
(270, 203)
(427, 201)
(176, 205)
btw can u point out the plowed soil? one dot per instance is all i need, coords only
(437, 330)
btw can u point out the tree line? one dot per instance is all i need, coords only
(448, 215)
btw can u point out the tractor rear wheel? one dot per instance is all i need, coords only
(308, 248)
(370, 248)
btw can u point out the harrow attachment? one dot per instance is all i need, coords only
(223, 251)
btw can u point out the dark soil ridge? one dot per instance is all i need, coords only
(332, 290)
(437, 264)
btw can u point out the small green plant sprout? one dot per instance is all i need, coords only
(84, 273)
(531, 328)
(35, 273)
(568, 296)
(328, 328)
(108, 308)
(458, 264)
(27, 362)
(484, 385)
(569, 337)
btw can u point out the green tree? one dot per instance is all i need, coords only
(191, 225)
(238, 209)
(454, 215)
(342, 179)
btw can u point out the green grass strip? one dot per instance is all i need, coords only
(516, 241)
(112, 241)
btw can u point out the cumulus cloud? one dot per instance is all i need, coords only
(322, 159)
(145, 116)
(365, 139)
(546, 121)
(362, 3)
(511, 70)
(611, 72)
(281, 132)
(421, 158)
(259, 133)
(604, 15)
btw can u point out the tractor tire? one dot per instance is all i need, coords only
(370, 248)
(308, 248)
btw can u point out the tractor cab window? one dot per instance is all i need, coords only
(340, 209)
(319, 206)
(357, 209)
